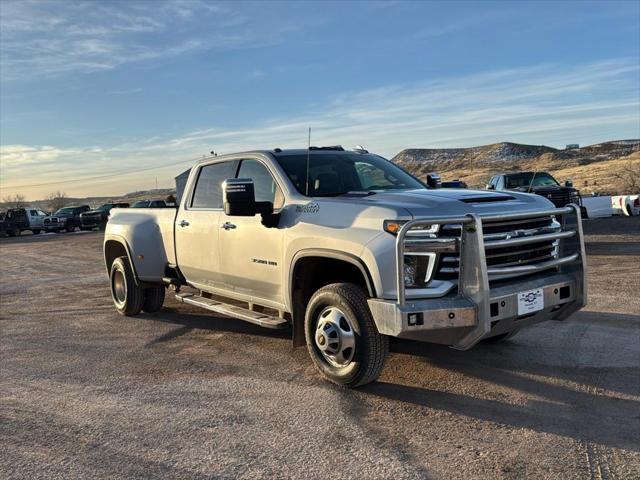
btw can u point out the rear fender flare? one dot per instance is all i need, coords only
(109, 240)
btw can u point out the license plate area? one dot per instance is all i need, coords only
(530, 301)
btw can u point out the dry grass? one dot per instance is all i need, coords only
(592, 177)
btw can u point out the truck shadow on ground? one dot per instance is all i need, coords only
(186, 321)
(583, 407)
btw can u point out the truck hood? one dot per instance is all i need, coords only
(446, 202)
(91, 212)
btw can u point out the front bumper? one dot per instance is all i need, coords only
(91, 222)
(478, 310)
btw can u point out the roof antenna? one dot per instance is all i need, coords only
(308, 152)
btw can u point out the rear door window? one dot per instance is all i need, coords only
(208, 189)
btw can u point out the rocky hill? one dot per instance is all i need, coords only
(592, 168)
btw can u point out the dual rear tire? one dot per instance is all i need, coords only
(128, 296)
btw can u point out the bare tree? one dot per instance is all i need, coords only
(629, 176)
(57, 200)
(16, 201)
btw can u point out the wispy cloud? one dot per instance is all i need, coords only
(545, 104)
(55, 38)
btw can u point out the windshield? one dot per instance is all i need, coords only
(141, 204)
(535, 179)
(340, 173)
(67, 210)
(105, 207)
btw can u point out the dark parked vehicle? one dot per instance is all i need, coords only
(149, 204)
(98, 218)
(540, 183)
(65, 219)
(454, 184)
(16, 220)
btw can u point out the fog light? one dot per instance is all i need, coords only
(414, 319)
(418, 269)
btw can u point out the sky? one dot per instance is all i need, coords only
(108, 97)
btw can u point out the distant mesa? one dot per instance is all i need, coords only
(590, 167)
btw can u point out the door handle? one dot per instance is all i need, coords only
(184, 223)
(228, 226)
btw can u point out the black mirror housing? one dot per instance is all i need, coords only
(239, 197)
(568, 183)
(433, 180)
(490, 187)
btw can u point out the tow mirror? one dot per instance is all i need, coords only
(568, 183)
(433, 180)
(239, 197)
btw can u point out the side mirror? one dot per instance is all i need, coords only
(239, 197)
(433, 180)
(568, 183)
(490, 187)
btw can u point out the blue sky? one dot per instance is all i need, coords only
(91, 88)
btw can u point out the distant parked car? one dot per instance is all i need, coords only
(628, 205)
(454, 184)
(98, 218)
(65, 219)
(17, 220)
(149, 204)
(540, 183)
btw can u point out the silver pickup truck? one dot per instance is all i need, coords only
(347, 250)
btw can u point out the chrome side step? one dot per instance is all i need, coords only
(245, 314)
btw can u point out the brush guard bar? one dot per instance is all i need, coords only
(473, 280)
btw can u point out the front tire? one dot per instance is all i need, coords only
(341, 336)
(127, 296)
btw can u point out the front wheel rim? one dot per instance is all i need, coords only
(334, 337)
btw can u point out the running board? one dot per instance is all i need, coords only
(245, 314)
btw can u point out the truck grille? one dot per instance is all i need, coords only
(91, 219)
(562, 198)
(504, 256)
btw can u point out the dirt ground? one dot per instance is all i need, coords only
(86, 393)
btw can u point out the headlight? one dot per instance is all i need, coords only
(394, 226)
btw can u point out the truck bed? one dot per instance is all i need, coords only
(153, 231)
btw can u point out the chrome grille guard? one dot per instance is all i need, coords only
(473, 279)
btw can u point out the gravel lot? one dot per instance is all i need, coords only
(86, 393)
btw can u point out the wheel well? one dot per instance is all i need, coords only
(314, 272)
(112, 250)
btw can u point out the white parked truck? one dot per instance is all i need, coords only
(347, 250)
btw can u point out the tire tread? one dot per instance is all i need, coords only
(378, 345)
